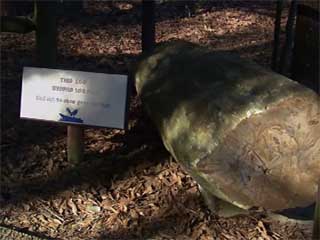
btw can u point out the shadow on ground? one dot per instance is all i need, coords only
(140, 142)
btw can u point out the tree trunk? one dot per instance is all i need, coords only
(277, 30)
(4, 8)
(15, 8)
(148, 25)
(46, 34)
(288, 46)
(306, 49)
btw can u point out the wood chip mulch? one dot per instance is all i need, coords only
(128, 187)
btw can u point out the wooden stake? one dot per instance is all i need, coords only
(75, 144)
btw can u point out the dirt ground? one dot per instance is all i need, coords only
(128, 186)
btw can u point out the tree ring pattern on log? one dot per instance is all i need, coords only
(280, 157)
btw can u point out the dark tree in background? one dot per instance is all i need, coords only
(46, 38)
(46, 33)
(286, 54)
(277, 30)
(306, 50)
(14, 16)
(44, 22)
(16, 8)
(300, 52)
(148, 25)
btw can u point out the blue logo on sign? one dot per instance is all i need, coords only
(71, 117)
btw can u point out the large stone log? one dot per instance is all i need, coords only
(247, 135)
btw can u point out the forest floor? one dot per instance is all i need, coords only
(128, 186)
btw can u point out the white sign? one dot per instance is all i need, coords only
(75, 97)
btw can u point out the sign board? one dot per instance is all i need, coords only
(76, 97)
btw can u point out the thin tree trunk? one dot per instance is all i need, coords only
(276, 42)
(3, 8)
(46, 34)
(306, 54)
(148, 25)
(288, 46)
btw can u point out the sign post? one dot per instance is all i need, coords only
(75, 98)
(75, 144)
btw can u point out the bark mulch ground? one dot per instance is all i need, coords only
(128, 186)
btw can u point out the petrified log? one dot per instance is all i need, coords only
(247, 135)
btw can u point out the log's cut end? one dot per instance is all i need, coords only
(270, 159)
(247, 135)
